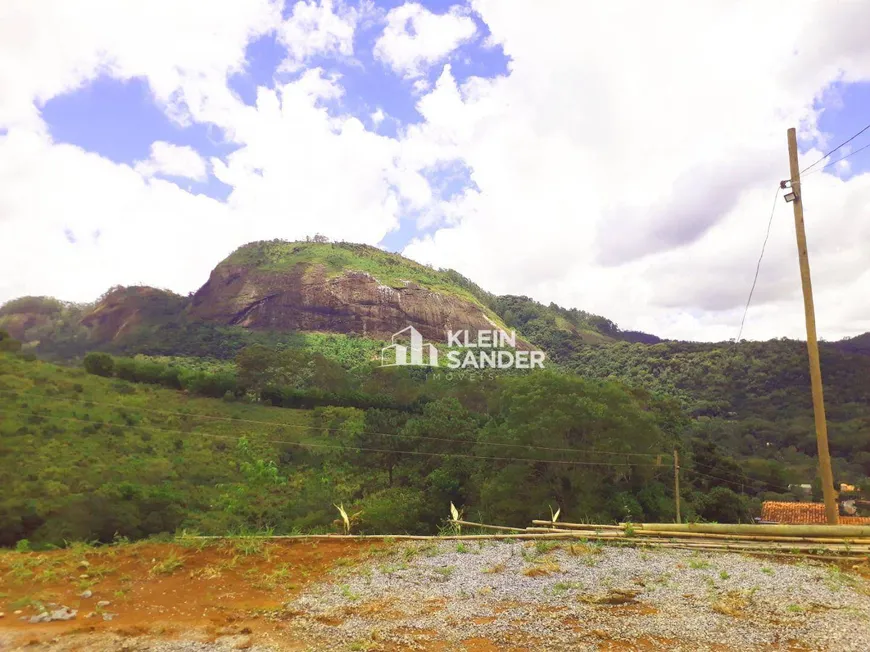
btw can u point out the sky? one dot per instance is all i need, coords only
(606, 156)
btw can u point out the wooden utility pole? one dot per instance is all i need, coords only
(677, 483)
(830, 496)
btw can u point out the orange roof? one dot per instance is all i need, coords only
(803, 514)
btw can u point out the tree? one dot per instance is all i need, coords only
(723, 506)
(7, 342)
(99, 364)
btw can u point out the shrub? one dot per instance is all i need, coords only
(99, 364)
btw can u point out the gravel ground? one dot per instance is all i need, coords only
(580, 597)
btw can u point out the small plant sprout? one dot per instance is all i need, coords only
(347, 521)
(555, 517)
(455, 516)
(344, 517)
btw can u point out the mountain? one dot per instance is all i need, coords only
(338, 288)
(272, 291)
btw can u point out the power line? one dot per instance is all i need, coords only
(335, 447)
(364, 432)
(734, 482)
(842, 158)
(845, 142)
(758, 266)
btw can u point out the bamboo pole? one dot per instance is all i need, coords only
(491, 527)
(822, 531)
(577, 533)
(398, 537)
(580, 526)
(745, 537)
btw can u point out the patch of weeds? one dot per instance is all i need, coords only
(495, 568)
(561, 587)
(461, 547)
(767, 570)
(733, 603)
(794, 609)
(664, 579)
(445, 571)
(347, 593)
(543, 547)
(836, 579)
(724, 575)
(389, 569)
(541, 567)
(698, 564)
(22, 603)
(168, 566)
(209, 572)
(49, 575)
(428, 550)
(249, 546)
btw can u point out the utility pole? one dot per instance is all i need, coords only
(677, 483)
(830, 496)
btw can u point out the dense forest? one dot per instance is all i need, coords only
(140, 446)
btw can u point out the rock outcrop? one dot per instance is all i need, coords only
(306, 298)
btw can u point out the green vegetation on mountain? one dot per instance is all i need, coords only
(340, 257)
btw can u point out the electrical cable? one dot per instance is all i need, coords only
(845, 142)
(758, 266)
(365, 432)
(335, 447)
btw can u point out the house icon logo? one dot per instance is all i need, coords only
(408, 339)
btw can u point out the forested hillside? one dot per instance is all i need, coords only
(88, 454)
(142, 414)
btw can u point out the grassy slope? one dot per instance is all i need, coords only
(388, 268)
(67, 437)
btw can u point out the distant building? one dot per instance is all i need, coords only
(801, 488)
(803, 514)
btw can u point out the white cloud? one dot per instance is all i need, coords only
(317, 28)
(627, 163)
(54, 46)
(73, 223)
(174, 161)
(415, 38)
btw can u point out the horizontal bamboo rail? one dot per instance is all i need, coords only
(820, 531)
(398, 537)
(577, 533)
(743, 537)
(579, 526)
(490, 527)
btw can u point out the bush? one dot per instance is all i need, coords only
(393, 511)
(99, 364)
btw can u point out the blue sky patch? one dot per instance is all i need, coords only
(846, 113)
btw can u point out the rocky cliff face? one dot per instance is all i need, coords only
(306, 298)
(122, 309)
